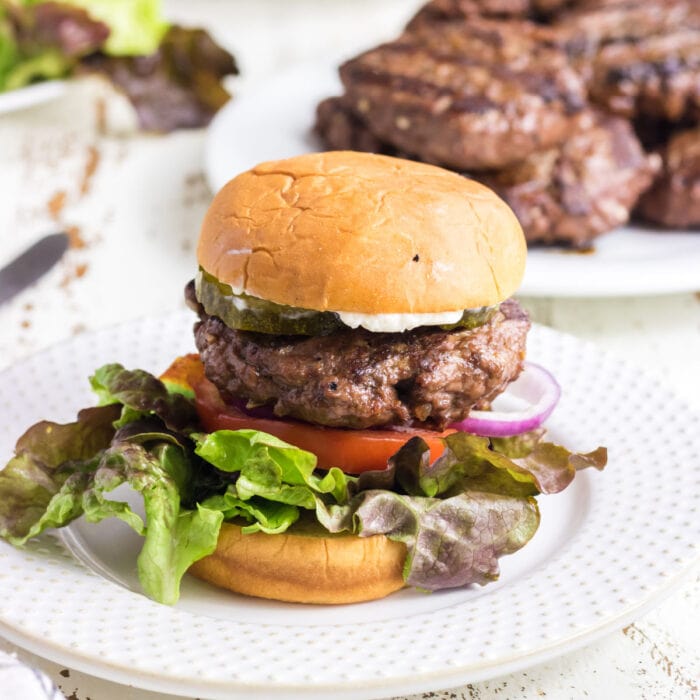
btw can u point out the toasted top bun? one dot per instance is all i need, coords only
(362, 233)
(299, 568)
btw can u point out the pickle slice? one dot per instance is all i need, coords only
(247, 313)
(473, 318)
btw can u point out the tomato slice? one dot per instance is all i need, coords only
(354, 451)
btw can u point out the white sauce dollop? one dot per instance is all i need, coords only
(397, 323)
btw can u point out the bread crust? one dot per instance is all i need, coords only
(363, 233)
(299, 568)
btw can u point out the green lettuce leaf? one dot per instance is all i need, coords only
(271, 474)
(458, 515)
(9, 51)
(135, 26)
(44, 40)
(471, 462)
(141, 394)
(451, 542)
(45, 458)
(180, 85)
(47, 65)
(268, 465)
(272, 517)
(518, 445)
(553, 467)
(174, 538)
(60, 472)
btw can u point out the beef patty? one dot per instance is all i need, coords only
(357, 379)
(644, 56)
(674, 200)
(572, 194)
(474, 94)
(448, 10)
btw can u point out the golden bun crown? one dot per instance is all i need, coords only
(363, 233)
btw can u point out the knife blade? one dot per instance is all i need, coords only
(30, 265)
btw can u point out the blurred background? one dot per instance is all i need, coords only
(131, 201)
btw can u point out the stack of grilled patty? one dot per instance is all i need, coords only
(543, 100)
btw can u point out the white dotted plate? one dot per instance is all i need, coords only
(607, 548)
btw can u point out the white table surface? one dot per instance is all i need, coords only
(134, 203)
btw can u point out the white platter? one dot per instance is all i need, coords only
(25, 97)
(275, 120)
(608, 548)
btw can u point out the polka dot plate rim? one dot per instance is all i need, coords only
(608, 548)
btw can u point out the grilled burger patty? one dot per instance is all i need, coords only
(674, 200)
(470, 95)
(588, 186)
(357, 379)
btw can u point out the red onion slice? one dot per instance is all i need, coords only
(525, 405)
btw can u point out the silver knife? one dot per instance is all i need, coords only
(30, 265)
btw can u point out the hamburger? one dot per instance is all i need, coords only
(347, 303)
(358, 292)
(331, 441)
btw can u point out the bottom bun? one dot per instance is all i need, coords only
(304, 568)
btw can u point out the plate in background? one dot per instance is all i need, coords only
(608, 548)
(35, 94)
(275, 121)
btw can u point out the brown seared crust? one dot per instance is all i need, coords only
(661, 77)
(359, 379)
(644, 57)
(446, 10)
(470, 95)
(589, 186)
(347, 231)
(299, 568)
(599, 23)
(340, 128)
(517, 43)
(343, 130)
(674, 200)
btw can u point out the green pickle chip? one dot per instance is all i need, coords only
(248, 313)
(472, 318)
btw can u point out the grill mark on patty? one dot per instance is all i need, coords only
(445, 95)
(477, 104)
(540, 83)
(641, 58)
(648, 70)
